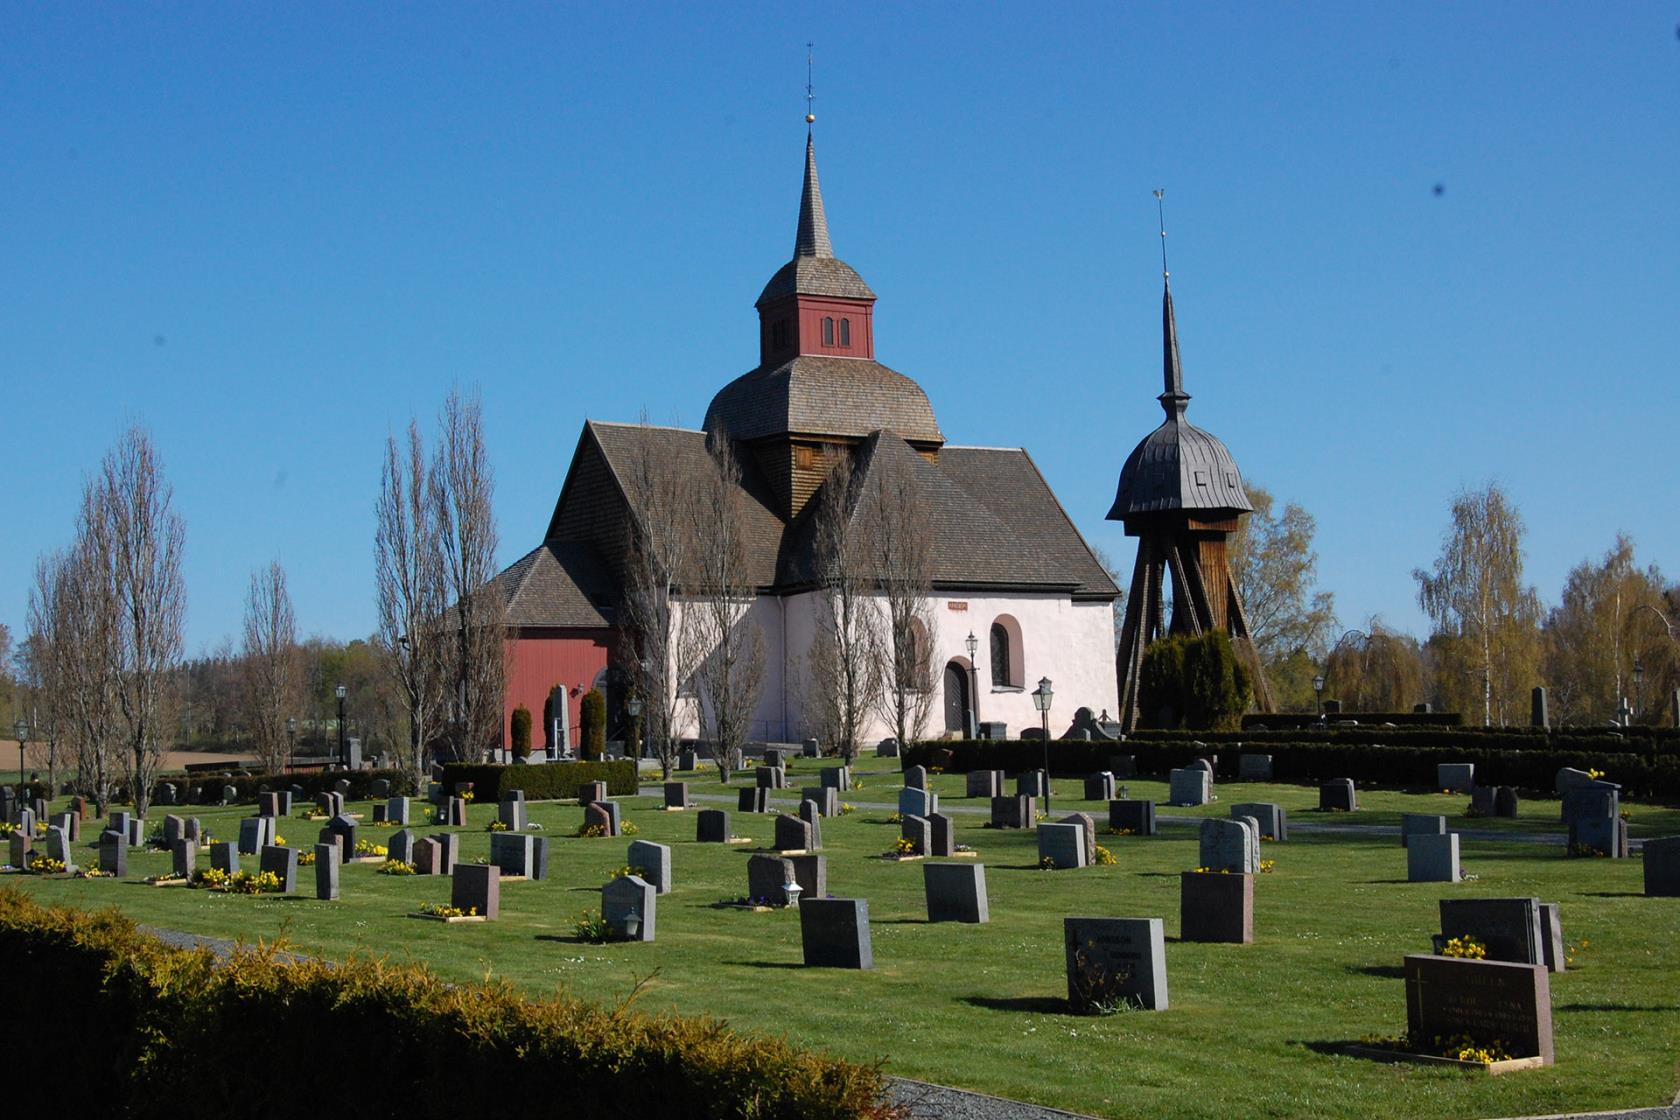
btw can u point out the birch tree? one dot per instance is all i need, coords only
(270, 667)
(1612, 616)
(723, 641)
(1274, 566)
(843, 665)
(1486, 620)
(409, 569)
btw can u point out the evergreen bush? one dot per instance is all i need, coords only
(593, 719)
(522, 732)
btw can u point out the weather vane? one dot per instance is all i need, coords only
(1161, 216)
(810, 94)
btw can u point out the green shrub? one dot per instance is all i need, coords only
(553, 782)
(593, 719)
(175, 1031)
(522, 732)
(1195, 682)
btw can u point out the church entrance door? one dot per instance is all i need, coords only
(956, 698)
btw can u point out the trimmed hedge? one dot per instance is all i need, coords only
(1647, 775)
(555, 781)
(312, 783)
(1297, 721)
(1633, 740)
(174, 1032)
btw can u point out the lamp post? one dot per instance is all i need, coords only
(21, 730)
(291, 734)
(1041, 700)
(1318, 694)
(343, 755)
(973, 645)
(634, 707)
(1638, 688)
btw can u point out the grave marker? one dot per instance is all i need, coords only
(1113, 960)
(711, 826)
(1031, 784)
(834, 933)
(625, 896)
(1432, 858)
(811, 814)
(1420, 824)
(919, 832)
(1216, 906)
(113, 854)
(1487, 1001)
(676, 795)
(1662, 867)
(916, 778)
(326, 872)
(654, 861)
(1273, 819)
(985, 783)
(942, 834)
(956, 892)
(1254, 768)
(427, 857)
(1230, 845)
(1337, 795)
(1509, 927)
(752, 799)
(224, 857)
(1459, 777)
(511, 852)
(1099, 787)
(1062, 844)
(792, 834)
(477, 887)
(1014, 812)
(598, 816)
(283, 862)
(766, 876)
(1137, 816)
(917, 802)
(1189, 786)
(183, 858)
(1551, 937)
(836, 777)
(449, 852)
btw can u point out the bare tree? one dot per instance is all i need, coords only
(462, 488)
(901, 548)
(660, 496)
(39, 660)
(271, 671)
(722, 641)
(83, 658)
(409, 569)
(843, 666)
(139, 551)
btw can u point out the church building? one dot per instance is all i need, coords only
(1013, 580)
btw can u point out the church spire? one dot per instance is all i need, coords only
(1174, 399)
(812, 240)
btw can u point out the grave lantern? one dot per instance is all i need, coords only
(792, 891)
(632, 925)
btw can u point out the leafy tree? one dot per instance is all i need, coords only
(1275, 567)
(1485, 643)
(1613, 615)
(1375, 671)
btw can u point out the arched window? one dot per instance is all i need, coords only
(828, 331)
(1000, 656)
(845, 332)
(1008, 666)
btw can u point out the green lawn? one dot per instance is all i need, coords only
(980, 1006)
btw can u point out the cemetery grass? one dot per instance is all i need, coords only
(1252, 1029)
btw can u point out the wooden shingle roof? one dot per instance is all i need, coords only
(821, 395)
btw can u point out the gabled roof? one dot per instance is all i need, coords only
(820, 395)
(558, 584)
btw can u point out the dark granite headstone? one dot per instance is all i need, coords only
(511, 852)
(919, 832)
(1424, 824)
(1062, 844)
(1030, 784)
(985, 783)
(625, 896)
(676, 795)
(1337, 795)
(752, 799)
(811, 873)
(449, 848)
(538, 869)
(598, 816)
(477, 887)
(1509, 927)
(283, 862)
(956, 892)
(1662, 867)
(224, 857)
(591, 792)
(1135, 816)
(1099, 787)
(183, 857)
(916, 777)
(427, 857)
(1014, 812)
(711, 826)
(1115, 960)
(401, 846)
(811, 813)
(1216, 906)
(942, 833)
(835, 777)
(1273, 819)
(792, 834)
(113, 854)
(326, 872)
(654, 860)
(834, 933)
(766, 876)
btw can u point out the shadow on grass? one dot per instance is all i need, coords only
(1614, 894)
(563, 940)
(1384, 882)
(1381, 971)
(768, 964)
(1613, 1007)
(1158, 874)
(900, 922)
(1334, 1048)
(1038, 1005)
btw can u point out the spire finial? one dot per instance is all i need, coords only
(1161, 216)
(810, 93)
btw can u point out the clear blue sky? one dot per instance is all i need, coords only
(271, 233)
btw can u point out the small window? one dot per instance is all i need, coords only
(845, 332)
(828, 331)
(1000, 657)
(1201, 478)
(778, 334)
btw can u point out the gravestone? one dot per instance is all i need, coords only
(1138, 817)
(985, 783)
(810, 748)
(119, 823)
(1505, 802)
(711, 826)
(811, 873)
(192, 830)
(511, 812)
(183, 858)
(826, 799)
(1115, 960)
(1216, 906)
(1089, 827)
(1551, 937)
(326, 872)
(224, 857)
(268, 805)
(676, 795)
(456, 817)
(654, 861)
(1662, 867)
(1337, 795)
(397, 810)
(766, 876)
(1203, 764)
(791, 834)
(770, 777)
(888, 748)
(917, 802)
(1488, 1001)
(1569, 778)
(836, 777)
(71, 824)
(401, 846)
(254, 834)
(538, 870)
(1537, 714)
(1031, 784)
(1014, 812)
(381, 811)
(811, 813)
(230, 794)
(1273, 819)
(956, 892)
(1481, 802)
(19, 848)
(625, 896)
(167, 794)
(427, 857)
(916, 778)
(598, 816)
(137, 832)
(1230, 845)
(343, 826)
(687, 760)
(1189, 786)
(1062, 844)
(1420, 824)
(1606, 835)
(379, 787)
(477, 887)
(1509, 927)
(1254, 768)
(511, 852)
(1459, 777)
(58, 847)
(919, 832)
(752, 799)
(449, 852)
(1432, 858)
(942, 834)
(772, 756)
(325, 804)
(834, 933)
(113, 854)
(283, 862)
(591, 792)
(1099, 787)
(342, 787)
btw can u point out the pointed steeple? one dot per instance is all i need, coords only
(1174, 399)
(812, 240)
